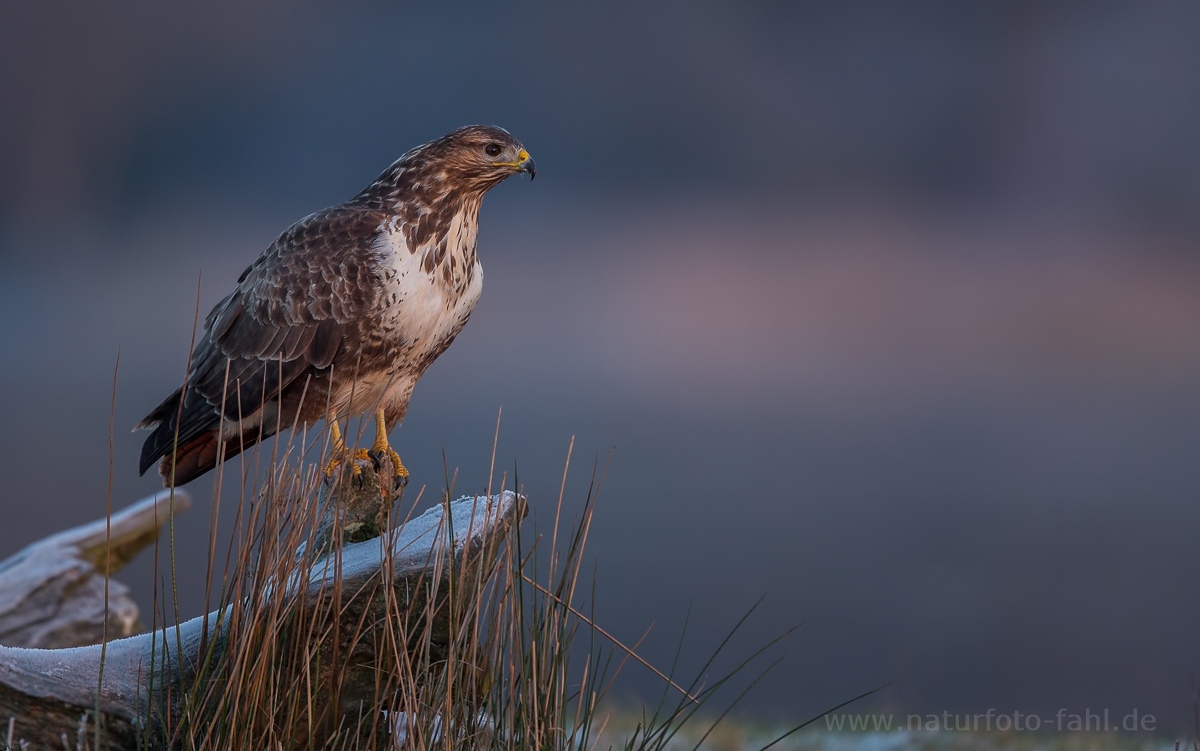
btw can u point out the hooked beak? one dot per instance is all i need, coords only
(527, 165)
(524, 163)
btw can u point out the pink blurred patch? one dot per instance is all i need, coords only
(839, 304)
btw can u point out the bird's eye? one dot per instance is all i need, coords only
(492, 149)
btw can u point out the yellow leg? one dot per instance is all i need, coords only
(339, 451)
(337, 448)
(382, 447)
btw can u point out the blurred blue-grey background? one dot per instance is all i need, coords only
(890, 310)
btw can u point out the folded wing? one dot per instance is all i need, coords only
(309, 300)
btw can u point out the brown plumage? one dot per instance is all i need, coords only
(345, 310)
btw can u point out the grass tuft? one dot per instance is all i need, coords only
(489, 649)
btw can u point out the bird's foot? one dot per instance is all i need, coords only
(341, 455)
(376, 455)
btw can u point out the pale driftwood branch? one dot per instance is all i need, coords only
(52, 592)
(49, 690)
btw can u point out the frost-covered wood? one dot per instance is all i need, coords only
(52, 592)
(48, 690)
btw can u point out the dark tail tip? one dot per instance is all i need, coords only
(151, 451)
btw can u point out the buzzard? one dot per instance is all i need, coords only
(342, 314)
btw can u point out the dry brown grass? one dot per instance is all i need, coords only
(476, 654)
(489, 649)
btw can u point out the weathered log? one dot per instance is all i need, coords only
(52, 592)
(49, 690)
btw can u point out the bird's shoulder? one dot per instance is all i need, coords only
(316, 284)
(323, 266)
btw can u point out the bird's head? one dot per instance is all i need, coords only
(478, 155)
(463, 164)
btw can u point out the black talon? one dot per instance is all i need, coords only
(375, 457)
(401, 481)
(360, 480)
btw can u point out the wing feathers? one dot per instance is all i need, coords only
(297, 340)
(327, 339)
(288, 317)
